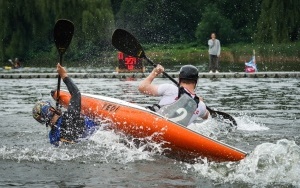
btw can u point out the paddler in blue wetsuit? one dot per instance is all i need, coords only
(170, 94)
(70, 126)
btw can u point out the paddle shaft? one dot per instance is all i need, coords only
(63, 33)
(58, 81)
(164, 73)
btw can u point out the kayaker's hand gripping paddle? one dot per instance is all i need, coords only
(63, 33)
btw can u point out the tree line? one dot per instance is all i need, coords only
(27, 25)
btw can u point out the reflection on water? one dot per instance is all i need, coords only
(267, 111)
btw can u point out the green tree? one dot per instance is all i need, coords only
(116, 5)
(27, 27)
(97, 22)
(243, 15)
(94, 23)
(2, 5)
(24, 28)
(15, 35)
(213, 21)
(159, 21)
(279, 21)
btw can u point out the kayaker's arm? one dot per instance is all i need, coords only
(206, 114)
(61, 71)
(210, 43)
(219, 49)
(75, 101)
(146, 85)
(72, 125)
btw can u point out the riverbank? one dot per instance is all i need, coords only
(280, 57)
(235, 53)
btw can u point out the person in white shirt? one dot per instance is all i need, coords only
(214, 50)
(170, 93)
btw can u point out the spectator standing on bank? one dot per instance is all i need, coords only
(214, 51)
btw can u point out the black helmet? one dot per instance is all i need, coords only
(188, 72)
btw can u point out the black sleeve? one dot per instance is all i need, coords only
(75, 101)
(72, 124)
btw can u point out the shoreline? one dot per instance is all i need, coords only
(183, 53)
(132, 76)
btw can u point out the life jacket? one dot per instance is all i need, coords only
(182, 110)
(183, 91)
(55, 133)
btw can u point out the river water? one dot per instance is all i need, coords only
(267, 111)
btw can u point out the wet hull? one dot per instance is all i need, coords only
(132, 120)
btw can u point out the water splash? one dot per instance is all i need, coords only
(268, 165)
(209, 127)
(104, 146)
(247, 123)
(121, 148)
(271, 164)
(214, 127)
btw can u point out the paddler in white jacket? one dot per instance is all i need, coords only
(170, 93)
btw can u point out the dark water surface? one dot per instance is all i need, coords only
(267, 111)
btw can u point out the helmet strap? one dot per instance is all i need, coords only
(56, 111)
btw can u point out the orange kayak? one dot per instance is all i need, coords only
(138, 122)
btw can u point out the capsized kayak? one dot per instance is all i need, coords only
(135, 121)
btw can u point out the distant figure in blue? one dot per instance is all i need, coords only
(251, 65)
(67, 127)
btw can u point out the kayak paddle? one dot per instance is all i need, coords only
(63, 33)
(128, 44)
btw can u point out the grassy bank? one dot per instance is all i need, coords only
(280, 57)
(191, 53)
(236, 53)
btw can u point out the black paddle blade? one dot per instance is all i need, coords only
(63, 33)
(214, 113)
(127, 43)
